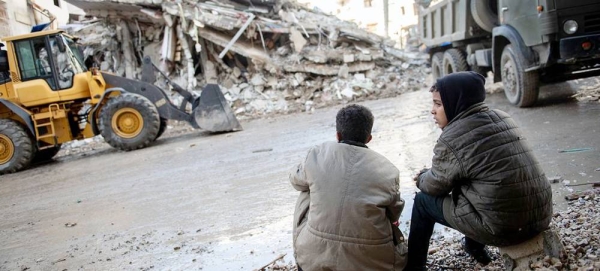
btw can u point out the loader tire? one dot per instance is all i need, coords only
(129, 122)
(454, 61)
(46, 154)
(16, 147)
(436, 65)
(162, 128)
(521, 88)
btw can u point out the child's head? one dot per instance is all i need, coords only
(439, 115)
(354, 122)
(455, 93)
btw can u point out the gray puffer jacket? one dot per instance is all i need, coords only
(500, 195)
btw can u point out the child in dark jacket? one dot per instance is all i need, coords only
(484, 180)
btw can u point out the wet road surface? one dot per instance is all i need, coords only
(223, 202)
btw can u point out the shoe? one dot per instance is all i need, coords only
(480, 254)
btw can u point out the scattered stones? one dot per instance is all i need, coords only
(555, 179)
(583, 248)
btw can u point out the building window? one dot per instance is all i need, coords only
(57, 3)
(416, 9)
(403, 11)
(368, 3)
(372, 27)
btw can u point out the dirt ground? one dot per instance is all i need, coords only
(196, 201)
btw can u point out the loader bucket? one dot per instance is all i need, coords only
(212, 113)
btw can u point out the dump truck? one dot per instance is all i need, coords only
(49, 97)
(524, 43)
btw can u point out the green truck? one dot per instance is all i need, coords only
(525, 43)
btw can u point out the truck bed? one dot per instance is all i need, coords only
(449, 21)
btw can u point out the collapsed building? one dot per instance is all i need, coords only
(268, 56)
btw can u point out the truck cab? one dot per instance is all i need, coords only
(525, 43)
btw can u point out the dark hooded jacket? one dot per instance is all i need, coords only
(499, 194)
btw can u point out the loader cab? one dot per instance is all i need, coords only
(46, 67)
(50, 58)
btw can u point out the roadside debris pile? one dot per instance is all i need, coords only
(267, 56)
(577, 226)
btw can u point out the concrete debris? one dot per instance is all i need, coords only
(589, 92)
(576, 227)
(267, 56)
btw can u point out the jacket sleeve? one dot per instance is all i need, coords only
(397, 204)
(444, 173)
(298, 176)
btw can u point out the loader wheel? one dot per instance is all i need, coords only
(436, 65)
(162, 128)
(521, 88)
(16, 147)
(129, 122)
(454, 61)
(46, 154)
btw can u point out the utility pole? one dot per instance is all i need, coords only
(386, 23)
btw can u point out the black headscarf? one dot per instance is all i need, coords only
(459, 91)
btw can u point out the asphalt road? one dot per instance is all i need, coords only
(223, 202)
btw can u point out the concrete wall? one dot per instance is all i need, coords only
(4, 20)
(370, 15)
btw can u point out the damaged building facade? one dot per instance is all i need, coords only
(268, 56)
(18, 16)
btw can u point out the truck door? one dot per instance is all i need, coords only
(523, 16)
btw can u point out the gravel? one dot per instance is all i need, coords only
(578, 227)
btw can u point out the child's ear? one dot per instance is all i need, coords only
(369, 139)
(338, 136)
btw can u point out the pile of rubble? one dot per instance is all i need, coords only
(268, 56)
(588, 91)
(577, 227)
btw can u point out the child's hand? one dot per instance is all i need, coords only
(416, 178)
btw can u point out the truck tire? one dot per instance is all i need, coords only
(162, 128)
(454, 61)
(16, 147)
(485, 13)
(129, 122)
(521, 88)
(436, 65)
(46, 154)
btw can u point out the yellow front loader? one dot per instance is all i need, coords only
(48, 97)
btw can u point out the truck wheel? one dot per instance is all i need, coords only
(436, 65)
(129, 122)
(521, 88)
(454, 61)
(45, 154)
(16, 147)
(162, 128)
(485, 13)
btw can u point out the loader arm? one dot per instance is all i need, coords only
(157, 96)
(210, 111)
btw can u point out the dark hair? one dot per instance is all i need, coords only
(433, 88)
(354, 122)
